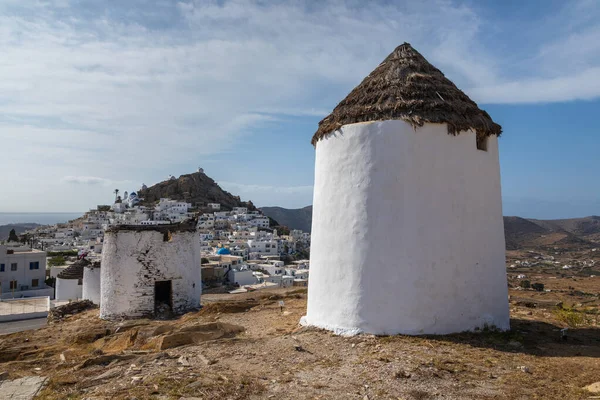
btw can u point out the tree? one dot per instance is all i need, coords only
(12, 236)
(116, 194)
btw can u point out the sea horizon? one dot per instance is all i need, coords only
(42, 218)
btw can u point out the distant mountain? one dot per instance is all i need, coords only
(519, 232)
(572, 232)
(196, 188)
(300, 218)
(19, 228)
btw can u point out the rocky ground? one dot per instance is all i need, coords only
(245, 347)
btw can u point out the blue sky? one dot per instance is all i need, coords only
(102, 95)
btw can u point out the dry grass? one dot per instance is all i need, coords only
(273, 358)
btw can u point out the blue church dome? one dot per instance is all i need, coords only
(223, 251)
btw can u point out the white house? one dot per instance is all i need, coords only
(241, 277)
(22, 272)
(214, 206)
(261, 222)
(263, 247)
(206, 221)
(407, 232)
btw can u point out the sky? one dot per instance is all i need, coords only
(96, 96)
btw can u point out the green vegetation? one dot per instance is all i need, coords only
(64, 253)
(12, 236)
(538, 287)
(525, 284)
(56, 261)
(569, 316)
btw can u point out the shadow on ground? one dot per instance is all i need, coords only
(534, 338)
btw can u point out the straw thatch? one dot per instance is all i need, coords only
(75, 270)
(406, 86)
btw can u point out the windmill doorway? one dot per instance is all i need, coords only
(163, 298)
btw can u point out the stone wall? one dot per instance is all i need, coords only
(133, 260)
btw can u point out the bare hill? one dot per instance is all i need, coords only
(19, 228)
(300, 218)
(573, 232)
(197, 188)
(519, 232)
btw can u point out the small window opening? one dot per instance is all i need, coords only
(482, 142)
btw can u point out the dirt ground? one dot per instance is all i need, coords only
(245, 347)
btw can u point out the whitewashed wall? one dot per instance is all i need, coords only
(68, 289)
(133, 261)
(91, 284)
(407, 232)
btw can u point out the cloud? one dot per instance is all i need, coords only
(268, 195)
(92, 180)
(584, 85)
(99, 87)
(86, 180)
(242, 187)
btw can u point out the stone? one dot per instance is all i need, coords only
(3, 375)
(22, 389)
(105, 360)
(183, 360)
(206, 360)
(174, 340)
(111, 373)
(593, 388)
(525, 369)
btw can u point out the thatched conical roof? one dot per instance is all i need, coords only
(75, 270)
(406, 86)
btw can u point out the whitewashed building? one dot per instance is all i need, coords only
(147, 269)
(407, 233)
(69, 282)
(214, 206)
(263, 247)
(260, 221)
(22, 272)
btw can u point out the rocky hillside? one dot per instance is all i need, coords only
(196, 188)
(300, 218)
(244, 346)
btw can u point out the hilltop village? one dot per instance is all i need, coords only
(240, 250)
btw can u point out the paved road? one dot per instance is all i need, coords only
(20, 326)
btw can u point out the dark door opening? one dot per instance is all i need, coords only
(163, 298)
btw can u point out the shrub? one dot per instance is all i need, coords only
(569, 316)
(525, 284)
(538, 286)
